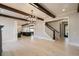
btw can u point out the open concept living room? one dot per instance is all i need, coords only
(39, 29)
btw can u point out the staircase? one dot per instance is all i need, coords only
(56, 34)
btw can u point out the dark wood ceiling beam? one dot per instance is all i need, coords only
(38, 6)
(8, 16)
(18, 11)
(28, 23)
(25, 24)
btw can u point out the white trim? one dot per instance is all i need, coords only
(71, 43)
(74, 44)
(8, 41)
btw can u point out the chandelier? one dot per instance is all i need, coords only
(32, 19)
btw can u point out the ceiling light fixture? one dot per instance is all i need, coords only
(31, 18)
(63, 10)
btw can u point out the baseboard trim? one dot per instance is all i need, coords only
(9, 41)
(74, 44)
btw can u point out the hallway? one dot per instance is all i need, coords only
(40, 48)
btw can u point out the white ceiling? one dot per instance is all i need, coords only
(54, 8)
(60, 8)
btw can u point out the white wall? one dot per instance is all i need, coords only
(74, 29)
(39, 31)
(19, 29)
(9, 31)
(49, 32)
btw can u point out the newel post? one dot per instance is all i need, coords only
(1, 40)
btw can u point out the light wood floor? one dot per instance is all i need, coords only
(27, 47)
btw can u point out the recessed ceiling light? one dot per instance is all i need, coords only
(63, 10)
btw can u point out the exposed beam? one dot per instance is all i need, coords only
(38, 6)
(18, 11)
(8, 16)
(27, 24)
(78, 8)
(24, 24)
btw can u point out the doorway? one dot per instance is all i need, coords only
(64, 29)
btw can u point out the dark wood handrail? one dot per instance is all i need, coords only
(51, 28)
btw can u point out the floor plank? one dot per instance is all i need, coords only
(27, 47)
